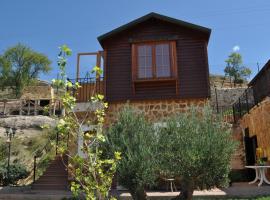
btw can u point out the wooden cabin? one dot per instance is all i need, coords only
(153, 60)
(156, 63)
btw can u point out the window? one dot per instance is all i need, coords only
(154, 60)
(145, 61)
(163, 67)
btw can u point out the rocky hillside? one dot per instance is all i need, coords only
(29, 136)
(224, 82)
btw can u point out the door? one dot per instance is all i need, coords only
(250, 151)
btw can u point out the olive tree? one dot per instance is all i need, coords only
(134, 137)
(196, 146)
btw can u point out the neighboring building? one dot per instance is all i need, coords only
(33, 100)
(253, 112)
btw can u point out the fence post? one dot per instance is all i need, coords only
(216, 100)
(35, 107)
(247, 101)
(4, 109)
(240, 110)
(35, 162)
(21, 109)
(234, 117)
(28, 112)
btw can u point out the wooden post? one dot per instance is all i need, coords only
(98, 63)
(21, 111)
(247, 100)
(52, 111)
(4, 109)
(28, 108)
(35, 107)
(78, 67)
(217, 107)
(104, 72)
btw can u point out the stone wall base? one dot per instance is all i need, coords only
(154, 110)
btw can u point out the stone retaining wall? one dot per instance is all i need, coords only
(225, 96)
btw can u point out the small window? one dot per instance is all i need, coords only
(154, 60)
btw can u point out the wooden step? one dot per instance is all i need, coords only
(49, 186)
(55, 177)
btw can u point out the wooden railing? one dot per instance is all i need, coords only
(89, 87)
(29, 107)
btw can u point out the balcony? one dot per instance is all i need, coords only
(89, 87)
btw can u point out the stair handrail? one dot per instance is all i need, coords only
(243, 104)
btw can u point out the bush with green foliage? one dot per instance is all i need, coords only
(134, 137)
(16, 172)
(3, 150)
(197, 147)
(20, 66)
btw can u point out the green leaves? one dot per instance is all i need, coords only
(66, 50)
(134, 137)
(197, 147)
(235, 68)
(93, 173)
(20, 66)
(97, 70)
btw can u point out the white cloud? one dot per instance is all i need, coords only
(236, 48)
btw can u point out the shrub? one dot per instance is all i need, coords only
(197, 147)
(16, 172)
(3, 150)
(134, 137)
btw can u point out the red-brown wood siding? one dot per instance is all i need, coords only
(192, 63)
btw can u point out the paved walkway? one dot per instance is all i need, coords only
(237, 190)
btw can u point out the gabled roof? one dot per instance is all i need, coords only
(156, 16)
(260, 73)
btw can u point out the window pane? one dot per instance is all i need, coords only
(163, 60)
(145, 61)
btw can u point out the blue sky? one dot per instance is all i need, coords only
(45, 25)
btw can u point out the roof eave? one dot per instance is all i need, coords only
(101, 38)
(259, 73)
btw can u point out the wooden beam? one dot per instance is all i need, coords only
(78, 60)
(78, 67)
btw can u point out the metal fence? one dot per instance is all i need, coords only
(243, 105)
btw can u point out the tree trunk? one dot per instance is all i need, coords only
(138, 194)
(187, 190)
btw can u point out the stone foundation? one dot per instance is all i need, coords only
(154, 110)
(258, 122)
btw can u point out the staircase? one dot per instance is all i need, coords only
(238, 158)
(55, 176)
